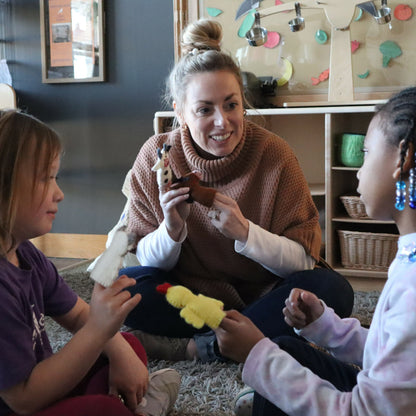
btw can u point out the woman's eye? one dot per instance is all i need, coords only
(232, 106)
(203, 111)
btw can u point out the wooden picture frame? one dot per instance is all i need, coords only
(311, 60)
(72, 40)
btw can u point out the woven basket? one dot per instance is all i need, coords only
(354, 206)
(367, 251)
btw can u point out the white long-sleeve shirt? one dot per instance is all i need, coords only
(386, 386)
(277, 254)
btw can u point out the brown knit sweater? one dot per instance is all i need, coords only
(263, 176)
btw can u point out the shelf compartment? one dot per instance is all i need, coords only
(367, 251)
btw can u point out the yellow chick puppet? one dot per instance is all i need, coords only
(197, 310)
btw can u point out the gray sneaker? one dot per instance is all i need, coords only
(161, 394)
(162, 348)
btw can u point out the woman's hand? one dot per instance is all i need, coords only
(237, 335)
(302, 308)
(110, 306)
(175, 210)
(228, 219)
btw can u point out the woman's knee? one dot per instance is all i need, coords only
(330, 286)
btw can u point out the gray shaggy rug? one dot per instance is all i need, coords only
(206, 388)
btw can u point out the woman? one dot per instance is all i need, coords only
(258, 240)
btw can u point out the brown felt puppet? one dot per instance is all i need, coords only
(165, 179)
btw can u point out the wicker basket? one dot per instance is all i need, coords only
(354, 206)
(367, 251)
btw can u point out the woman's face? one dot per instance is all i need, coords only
(214, 112)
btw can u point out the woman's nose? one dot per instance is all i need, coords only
(219, 119)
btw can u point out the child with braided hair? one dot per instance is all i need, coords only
(289, 376)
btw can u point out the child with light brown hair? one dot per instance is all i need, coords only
(99, 371)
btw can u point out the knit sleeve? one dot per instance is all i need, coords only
(145, 212)
(294, 206)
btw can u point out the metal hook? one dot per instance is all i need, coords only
(297, 9)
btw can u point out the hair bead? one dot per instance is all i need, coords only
(400, 195)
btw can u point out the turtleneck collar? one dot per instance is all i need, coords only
(212, 170)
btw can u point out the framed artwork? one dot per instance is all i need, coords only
(72, 40)
(373, 61)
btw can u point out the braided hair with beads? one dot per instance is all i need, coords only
(398, 120)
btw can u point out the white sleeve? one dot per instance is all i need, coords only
(157, 249)
(275, 253)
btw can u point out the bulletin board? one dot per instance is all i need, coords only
(301, 59)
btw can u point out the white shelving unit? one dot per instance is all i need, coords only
(313, 134)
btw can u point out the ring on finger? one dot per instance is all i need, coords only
(215, 214)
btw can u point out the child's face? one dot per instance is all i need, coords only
(35, 214)
(377, 184)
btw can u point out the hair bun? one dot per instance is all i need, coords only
(204, 34)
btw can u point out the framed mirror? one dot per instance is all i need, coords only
(301, 61)
(72, 40)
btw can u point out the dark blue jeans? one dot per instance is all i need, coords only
(342, 375)
(155, 316)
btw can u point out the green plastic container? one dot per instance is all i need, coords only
(351, 147)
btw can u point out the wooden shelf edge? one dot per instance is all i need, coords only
(73, 246)
(360, 220)
(368, 274)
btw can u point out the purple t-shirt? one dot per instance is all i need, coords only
(27, 295)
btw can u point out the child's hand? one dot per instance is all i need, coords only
(237, 335)
(110, 306)
(302, 308)
(128, 377)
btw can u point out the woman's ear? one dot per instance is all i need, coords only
(178, 114)
(409, 160)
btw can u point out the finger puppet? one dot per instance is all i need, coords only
(197, 310)
(202, 194)
(166, 179)
(110, 262)
(162, 168)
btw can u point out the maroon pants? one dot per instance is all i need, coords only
(90, 397)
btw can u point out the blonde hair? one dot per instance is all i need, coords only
(201, 52)
(27, 148)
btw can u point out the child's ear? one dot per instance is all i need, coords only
(408, 162)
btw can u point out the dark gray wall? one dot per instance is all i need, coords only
(103, 124)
